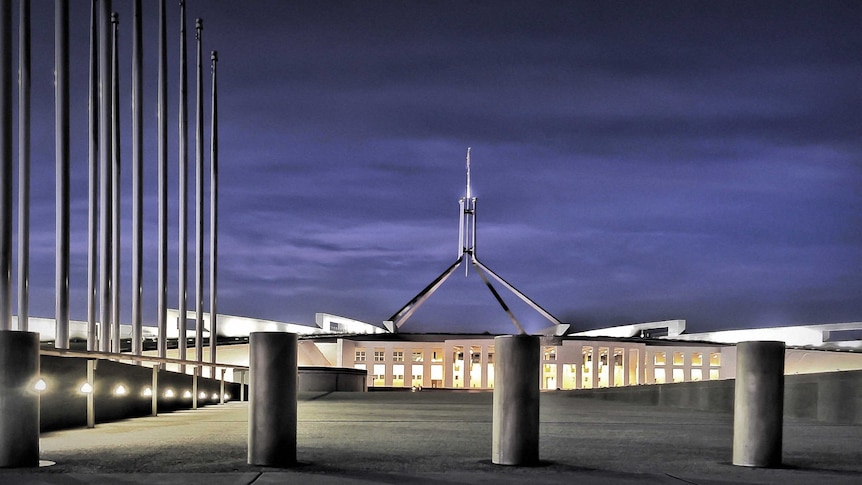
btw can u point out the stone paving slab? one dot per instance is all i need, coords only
(439, 437)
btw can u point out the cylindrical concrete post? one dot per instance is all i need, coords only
(272, 399)
(758, 405)
(516, 401)
(19, 400)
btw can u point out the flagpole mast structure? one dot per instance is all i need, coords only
(467, 247)
(199, 198)
(182, 248)
(24, 166)
(213, 214)
(61, 197)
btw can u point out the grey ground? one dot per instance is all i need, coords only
(439, 437)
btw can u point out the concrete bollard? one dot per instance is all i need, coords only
(758, 406)
(516, 401)
(19, 400)
(272, 399)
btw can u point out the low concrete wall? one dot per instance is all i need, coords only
(332, 379)
(833, 397)
(64, 406)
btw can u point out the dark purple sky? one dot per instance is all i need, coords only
(633, 161)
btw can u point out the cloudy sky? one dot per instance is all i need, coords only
(634, 161)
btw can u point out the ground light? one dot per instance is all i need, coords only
(147, 392)
(40, 385)
(86, 388)
(120, 390)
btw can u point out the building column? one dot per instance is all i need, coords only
(579, 365)
(625, 364)
(448, 362)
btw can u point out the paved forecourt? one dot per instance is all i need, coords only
(439, 437)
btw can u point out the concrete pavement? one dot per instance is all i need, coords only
(439, 437)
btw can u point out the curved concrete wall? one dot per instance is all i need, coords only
(832, 397)
(331, 379)
(64, 406)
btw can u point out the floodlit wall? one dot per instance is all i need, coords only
(569, 364)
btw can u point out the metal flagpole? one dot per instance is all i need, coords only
(104, 176)
(115, 184)
(213, 215)
(5, 165)
(92, 176)
(162, 317)
(61, 127)
(199, 198)
(182, 249)
(137, 178)
(24, 166)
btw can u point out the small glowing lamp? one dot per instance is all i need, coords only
(187, 394)
(227, 397)
(40, 385)
(215, 396)
(169, 393)
(86, 388)
(147, 392)
(121, 390)
(202, 395)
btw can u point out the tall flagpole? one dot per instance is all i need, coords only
(93, 184)
(61, 127)
(115, 184)
(213, 215)
(137, 179)
(161, 318)
(105, 252)
(5, 165)
(24, 166)
(199, 199)
(182, 248)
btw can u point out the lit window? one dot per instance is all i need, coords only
(713, 374)
(550, 353)
(437, 355)
(678, 375)
(360, 355)
(696, 375)
(697, 358)
(678, 358)
(660, 376)
(660, 358)
(398, 356)
(417, 356)
(715, 359)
